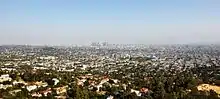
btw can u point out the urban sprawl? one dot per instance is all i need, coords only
(110, 71)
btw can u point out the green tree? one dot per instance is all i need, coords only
(81, 93)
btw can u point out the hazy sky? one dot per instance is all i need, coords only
(67, 22)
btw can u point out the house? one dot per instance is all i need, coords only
(39, 84)
(19, 82)
(144, 90)
(124, 86)
(31, 87)
(5, 77)
(13, 92)
(8, 69)
(36, 95)
(81, 81)
(115, 80)
(208, 87)
(104, 80)
(101, 92)
(136, 92)
(60, 97)
(34, 85)
(61, 90)
(4, 86)
(110, 97)
(98, 87)
(45, 92)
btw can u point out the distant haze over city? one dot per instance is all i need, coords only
(40, 22)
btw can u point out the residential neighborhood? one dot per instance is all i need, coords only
(110, 71)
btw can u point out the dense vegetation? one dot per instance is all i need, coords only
(162, 85)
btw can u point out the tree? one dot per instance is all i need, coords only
(78, 92)
(22, 94)
(131, 96)
(213, 94)
(50, 82)
(86, 83)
